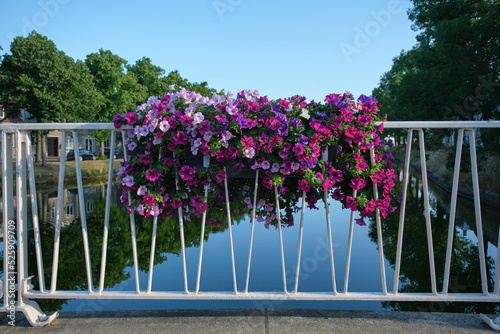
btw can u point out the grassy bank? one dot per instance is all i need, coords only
(92, 172)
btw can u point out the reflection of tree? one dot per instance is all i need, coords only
(415, 272)
(71, 271)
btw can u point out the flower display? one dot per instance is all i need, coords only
(285, 140)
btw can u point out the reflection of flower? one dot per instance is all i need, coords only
(284, 139)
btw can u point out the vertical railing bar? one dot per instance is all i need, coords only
(134, 247)
(183, 243)
(57, 232)
(430, 245)
(22, 224)
(497, 270)
(34, 214)
(349, 247)
(329, 230)
(206, 161)
(477, 210)
(132, 227)
(152, 255)
(6, 185)
(380, 240)
(105, 232)
(406, 177)
(229, 220)
(453, 211)
(278, 217)
(254, 209)
(299, 249)
(83, 215)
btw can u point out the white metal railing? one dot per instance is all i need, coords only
(18, 136)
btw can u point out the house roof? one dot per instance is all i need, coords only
(12, 120)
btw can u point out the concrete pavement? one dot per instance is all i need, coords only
(255, 321)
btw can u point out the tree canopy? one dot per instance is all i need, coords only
(453, 71)
(52, 87)
(47, 83)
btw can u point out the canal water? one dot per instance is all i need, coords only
(265, 274)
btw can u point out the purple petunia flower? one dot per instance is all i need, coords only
(142, 191)
(128, 181)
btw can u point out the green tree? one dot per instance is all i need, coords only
(149, 76)
(453, 71)
(45, 82)
(120, 91)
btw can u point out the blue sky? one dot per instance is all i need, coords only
(280, 48)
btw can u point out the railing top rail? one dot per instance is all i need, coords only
(440, 124)
(387, 125)
(59, 126)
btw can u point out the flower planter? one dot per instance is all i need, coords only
(287, 137)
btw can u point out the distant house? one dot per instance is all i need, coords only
(54, 138)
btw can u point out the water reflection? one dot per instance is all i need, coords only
(71, 273)
(465, 268)
(415, 275)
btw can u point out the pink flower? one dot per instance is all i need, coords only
(351, 203)
(149, 200)
(145, 159)
(231, 153)
(337, 195)
(298, 150)
(266, 182)
(152, 174)
(361, 165)
(220, 176)
(311, 201)
(357, 183)
(249, 152)
(335, 175)
(187, 173)
(164, 125)
(360, 222)
(155, 211)
(142, 191)
(128, 181)
(304, 185)
(131, 146)
(131, 118)
(176, 203)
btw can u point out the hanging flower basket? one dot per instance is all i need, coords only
(285, 140)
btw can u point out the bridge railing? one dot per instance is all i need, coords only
(19, 295)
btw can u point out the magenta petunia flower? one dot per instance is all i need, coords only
(220, 176)
(357, 183)
(351, 203)
(176, 203)
(149, 200)
(337, 195)
(152, 174)
(145, 159)
(360, 222)
(304, 185)
(187, 173)
(118, 121)
(131, 118)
